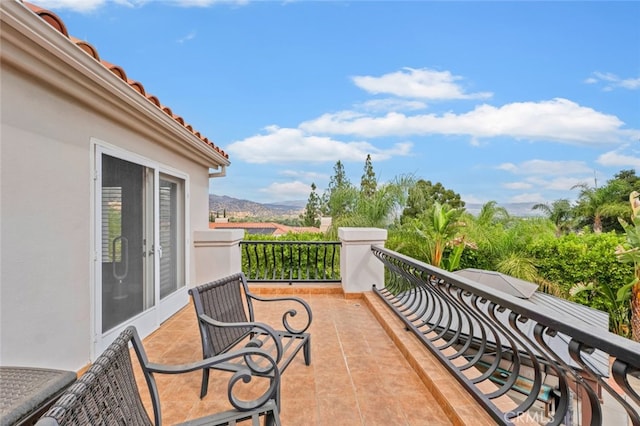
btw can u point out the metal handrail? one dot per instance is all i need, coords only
(478, 333)
(291, 261)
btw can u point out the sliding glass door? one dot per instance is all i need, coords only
(141, 260)
(127, 241)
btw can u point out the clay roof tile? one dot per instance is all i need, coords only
(138, 86)
(118, 71)
(154, 99)
(57, 23)
(49, 17)
(91, 51)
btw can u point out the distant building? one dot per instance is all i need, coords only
(263, 228)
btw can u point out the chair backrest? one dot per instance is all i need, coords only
(223, 300)
(106, 394)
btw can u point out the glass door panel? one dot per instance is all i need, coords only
(171, 206)
(127, 240)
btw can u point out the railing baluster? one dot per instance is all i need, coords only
(479, 334)
(291, 261)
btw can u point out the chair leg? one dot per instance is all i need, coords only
(205, 383)
(277, 397)
(307, 351)
(272, 418)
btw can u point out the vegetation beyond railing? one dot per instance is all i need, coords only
(500, 346)
(291, 261)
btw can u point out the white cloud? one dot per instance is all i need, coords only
(287, 190)
(282, 145)
(545, 167)
(527, 198)
(86, 6)
(472, 199)
(304, 174)
(560, 176)
(82, 6)
(417, 84)
(615, 159)
(563, 183)
(611, 81)
(517, 185)
(508, 167)
(558, 120)
(390, 104)
(205, 3)
(188, 37)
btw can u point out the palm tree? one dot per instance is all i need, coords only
(616, 304)
(560, 213)
(491, 213)
(377, 210)
(595, 204)
(438, 227)
(629, 252)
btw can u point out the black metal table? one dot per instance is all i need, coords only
(26, 392)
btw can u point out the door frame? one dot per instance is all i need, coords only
(150, 319)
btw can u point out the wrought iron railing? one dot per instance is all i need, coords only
(291, 261)
(499, 346)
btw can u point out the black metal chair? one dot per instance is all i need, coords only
(226, 318)
(107, 393)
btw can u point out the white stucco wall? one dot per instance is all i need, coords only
(47, 213)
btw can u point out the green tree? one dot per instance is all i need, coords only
(378, 210)
(601, 207)
(311, 214)
(430, 237)
(629, 252)
(560, 213)
(616, 303)
(623, 183)
(423, 195)
(581, 258)
(338, 199)
(440, 227)
(368, 182)
(491, 213)
(501, 243)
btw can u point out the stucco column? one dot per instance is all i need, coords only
(359, 269)
(217, 253)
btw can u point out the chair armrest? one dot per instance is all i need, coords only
(290, 312)
(245, 373)
(264, 328)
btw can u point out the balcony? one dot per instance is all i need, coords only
(412, 356)
(365, 370)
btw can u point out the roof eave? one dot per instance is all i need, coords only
(38, 50)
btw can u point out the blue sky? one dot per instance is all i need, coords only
(505, 101)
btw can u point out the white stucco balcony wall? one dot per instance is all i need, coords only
(359, 269)
(217, 253)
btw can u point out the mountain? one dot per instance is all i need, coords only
(514, 209)
(237, 208)
(234, 207)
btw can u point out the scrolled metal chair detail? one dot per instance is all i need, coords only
(226, 319)
(107, 393)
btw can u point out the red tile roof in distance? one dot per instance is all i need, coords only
(53, 20)
(278, 229)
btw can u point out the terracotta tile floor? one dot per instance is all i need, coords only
(357, 374)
